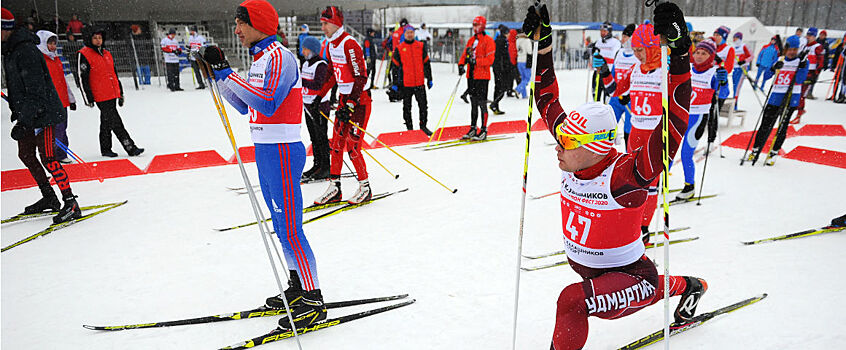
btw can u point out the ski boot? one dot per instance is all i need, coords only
(464, 98)
(753, 157)
(69, 211)
(771, 158)
(308, 173)
(482, 135)
(108, 153)
(470, 134)
(322, 173)
(307, 310)
(131, 149)
(496, 110)
(798, 118)
(839, 221)
(686, 193)
(425, 130)
(48, 202)
(363, 194)
(293, 294)
(332, 194)
(686, 309)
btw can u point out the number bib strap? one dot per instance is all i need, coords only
(598, 232)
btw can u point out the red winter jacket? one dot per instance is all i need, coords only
(484, 53)
(411, 64)
(57, 74)
(98, 75)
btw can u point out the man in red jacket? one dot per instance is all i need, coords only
(48, 49)
(411, 65)
(100, 84)
(479, 57)
(347, 59)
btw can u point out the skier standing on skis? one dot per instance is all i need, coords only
(814, 55)
(318, 79)
(744, 59)
(792, 70)
(410, 66)
(602, 236)
(347, 60)
(623, 61)
(49, 50)
(725, 58)
(704, 83)
(272, 96)
(36, 109)
(605, 48)
(478, 55)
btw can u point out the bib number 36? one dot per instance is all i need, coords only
(574, 231)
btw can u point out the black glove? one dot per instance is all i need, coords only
(120, 101)
(604, 71)
(461, 69)
(73, 106)
(625, 99)
(712, 128)
(803, 64)
(776, 66)
(345, 111)
(722, 76)
(19, 132)
(537, 19)
(214, 56)
(718, 59)
(669, 22)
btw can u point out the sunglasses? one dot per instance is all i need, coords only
(573, 141)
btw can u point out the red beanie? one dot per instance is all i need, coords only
(8, 20)
(260, 14)
(332, 15)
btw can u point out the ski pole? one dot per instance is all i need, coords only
(397, 154)
(754, 90)
(207, 71)
(395, 176)
(78, 159)
(535, 44)
(705, 167)
(445, 114)
(757, 123)
(836, 81)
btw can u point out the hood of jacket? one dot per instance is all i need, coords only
(44, 36)
(89, 32)
(18, 37)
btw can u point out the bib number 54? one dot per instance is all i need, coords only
(574, 232)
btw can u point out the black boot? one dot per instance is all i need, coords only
(292, 294)
(686, 309)
(408, 125)
(48, 202)
(482, 135)
(132, 150)
(308, 310)
(425, 129)
(470, 134)
(464, 98)
(307, 174)
(839, 221)
(686, 193)
(108, 153)
(69, 211)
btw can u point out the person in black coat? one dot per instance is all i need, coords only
(502, 69)
(36, 108)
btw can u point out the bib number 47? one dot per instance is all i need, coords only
(575, 235)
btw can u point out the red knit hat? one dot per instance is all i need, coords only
(260, 14)
(332, 15)
(8, 20)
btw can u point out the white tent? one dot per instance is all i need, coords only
(755, 34)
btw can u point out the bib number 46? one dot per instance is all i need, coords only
(642, 107)
(574, 231)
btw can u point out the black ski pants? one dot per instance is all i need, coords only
(770, 118)
(172, 71)
(419, 93)
(317, 129)
(478, 101)
(110, 122)
(196, 67)
(43, 142)
(502, 83)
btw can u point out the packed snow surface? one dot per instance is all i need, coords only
(158, 258)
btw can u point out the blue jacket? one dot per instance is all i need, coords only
(300, 43)
(768, 56)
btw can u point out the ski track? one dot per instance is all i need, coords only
(157, 258)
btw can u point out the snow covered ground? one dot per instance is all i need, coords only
(157, 258)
